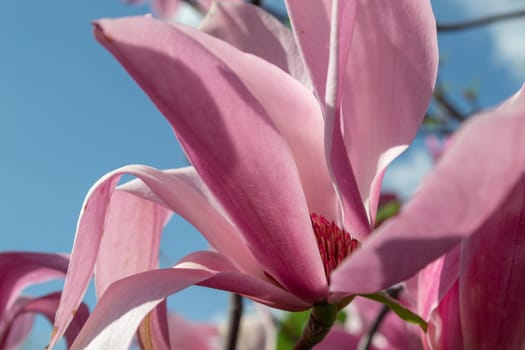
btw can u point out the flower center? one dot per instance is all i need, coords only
(334, 243)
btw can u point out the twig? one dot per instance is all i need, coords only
(366, 342)
(450, 107)
(196, 6)
(234, 323)
(450, 27)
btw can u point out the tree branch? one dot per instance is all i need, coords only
(450, 27)
(234, 323)
(448, 106)
(366, 342)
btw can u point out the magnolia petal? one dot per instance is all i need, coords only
(355, 220)
(253, 30)
(315, 24)
(133, 228)
(240, 154)
(47, 306)
(444, 326)
(435, 280)
(15, 328)
(389, 82)
(467, 185)
(21, 320)
(343, 18)
(287, 106)
(311, 27)
(175, 194)
(191, 336)
(338, 339)
(20, 269)
(184, 192)
(125, 303)
(154, 331)
(491, 284)
(90, 228)
(263, 290)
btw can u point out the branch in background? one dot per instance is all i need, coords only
(234, 322)
(448, 105)
(283, 18)
(196, 6)
(450, 27)
(366, 342)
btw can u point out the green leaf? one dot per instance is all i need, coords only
(397, 308)
(386, 211)
(291, 328)
(341, 317)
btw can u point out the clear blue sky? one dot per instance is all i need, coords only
(69, 113)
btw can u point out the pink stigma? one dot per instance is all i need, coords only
(334, 243)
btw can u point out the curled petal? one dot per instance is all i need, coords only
(126, 302)
(20, 269)
(182, 191)
(173, 192)
(132, 232)
(22, 315)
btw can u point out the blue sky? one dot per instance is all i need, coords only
(69, 113)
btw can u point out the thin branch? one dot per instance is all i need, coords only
(283, 18)
(450, 27)
(234, 322)
(366, 342)
(196, 6)
(449, 106)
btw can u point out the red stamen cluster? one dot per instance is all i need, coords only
(334, 243)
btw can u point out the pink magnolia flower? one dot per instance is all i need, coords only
(19, 270)
(285, 182)
(473, 296)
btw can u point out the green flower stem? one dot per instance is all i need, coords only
(319, 324)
